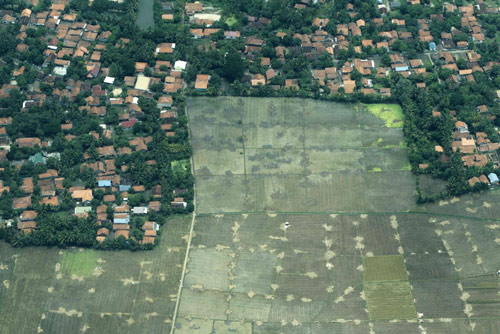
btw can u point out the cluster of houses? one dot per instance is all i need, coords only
(67, 39)
(476, 149)
(447, 49)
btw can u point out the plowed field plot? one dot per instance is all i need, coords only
(352, 259)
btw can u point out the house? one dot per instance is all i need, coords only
(82, 196)
(258, 79)
(232, 34)
(21, 202)
(178, 202)
(27, 221)
(140, 210)
(102, 233)
(124, 187)
(128, 124)
(202, 82)
(461, 127)
(109, 198)
(28, 215)
(122, 233)
(154, 206)
(82, 211)
(167, 17)
(121, 218)
(106, 151)
(165, 101)
(180, 65)
(493, 178)
(50, 201)
(104, 183)
(150, 226)
(482, 108)
(37, 159)
(473, 181)
(193, 7)
(7, 19)
(28, 142)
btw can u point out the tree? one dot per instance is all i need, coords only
(234, 67)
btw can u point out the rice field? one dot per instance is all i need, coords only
(357, 254)
(48, 290)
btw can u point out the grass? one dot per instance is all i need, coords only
(179, 166)
(392, 114)
(390, 300)
(230, 21)
(384, 268)
(79, 263)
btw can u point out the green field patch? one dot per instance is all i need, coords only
(389, 300)
(79, 263)
(384, 268)
(179, 166)
(392, 114)
(230, 21)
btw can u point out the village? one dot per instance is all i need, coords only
(342, 62)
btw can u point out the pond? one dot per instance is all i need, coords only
(145, 16)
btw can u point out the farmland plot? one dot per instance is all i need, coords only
(47, 290)
(294, 155)
(353, 258)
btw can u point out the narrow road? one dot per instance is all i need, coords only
(181, 283)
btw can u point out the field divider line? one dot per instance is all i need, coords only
(346, 213)
(181, 283)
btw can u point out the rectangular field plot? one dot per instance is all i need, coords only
(271, 112)
(215, 111)
(387, 160)
(431, 266)
(333, 136)
(221, 193)
(297, 155)
(438, 299)
(334, 161)
(276, 193)
(389, 300)
(218, 162)
(384, 268)
(274, 161)
(279, 136)
(218, 136)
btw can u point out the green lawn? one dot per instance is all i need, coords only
(392, 114)
(230, 21)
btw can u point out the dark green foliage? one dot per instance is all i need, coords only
(234, 67)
